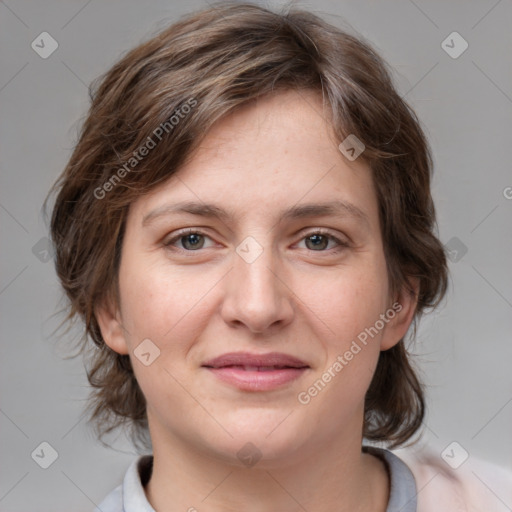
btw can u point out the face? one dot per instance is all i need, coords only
(265, 245)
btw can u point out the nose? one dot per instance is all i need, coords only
(257, 295)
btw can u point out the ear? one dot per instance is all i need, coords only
(404, 308)
(112, 331)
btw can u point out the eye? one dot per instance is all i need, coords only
(319, 240)
(191, 240)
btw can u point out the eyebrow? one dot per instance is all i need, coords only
(337, 208)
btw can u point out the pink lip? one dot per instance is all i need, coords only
(251, 372)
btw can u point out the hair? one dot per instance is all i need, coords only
(215, 61)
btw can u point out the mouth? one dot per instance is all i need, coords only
(256, 372)
(248, 368)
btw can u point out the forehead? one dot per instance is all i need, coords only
(266, 157)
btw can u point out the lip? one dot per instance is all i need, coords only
(261, 360)
(253, 372)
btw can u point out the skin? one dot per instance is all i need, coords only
(294, 298)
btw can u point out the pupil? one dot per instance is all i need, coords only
(318, 241)
(193, 240)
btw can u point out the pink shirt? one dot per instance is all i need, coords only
(454, 481)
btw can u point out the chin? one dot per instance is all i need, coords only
(265, 442)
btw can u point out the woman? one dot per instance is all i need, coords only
(247, 230)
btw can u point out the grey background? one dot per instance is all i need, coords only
(465, 104)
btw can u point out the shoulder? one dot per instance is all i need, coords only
(113, 502)
(457, 482)
(130, 495)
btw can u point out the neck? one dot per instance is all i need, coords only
(325, 477)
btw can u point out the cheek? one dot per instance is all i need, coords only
(166, 307)
(350, 305)
(349, 301)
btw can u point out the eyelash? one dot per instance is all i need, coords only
(341, 243)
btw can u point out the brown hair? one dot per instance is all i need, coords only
(216, 60)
